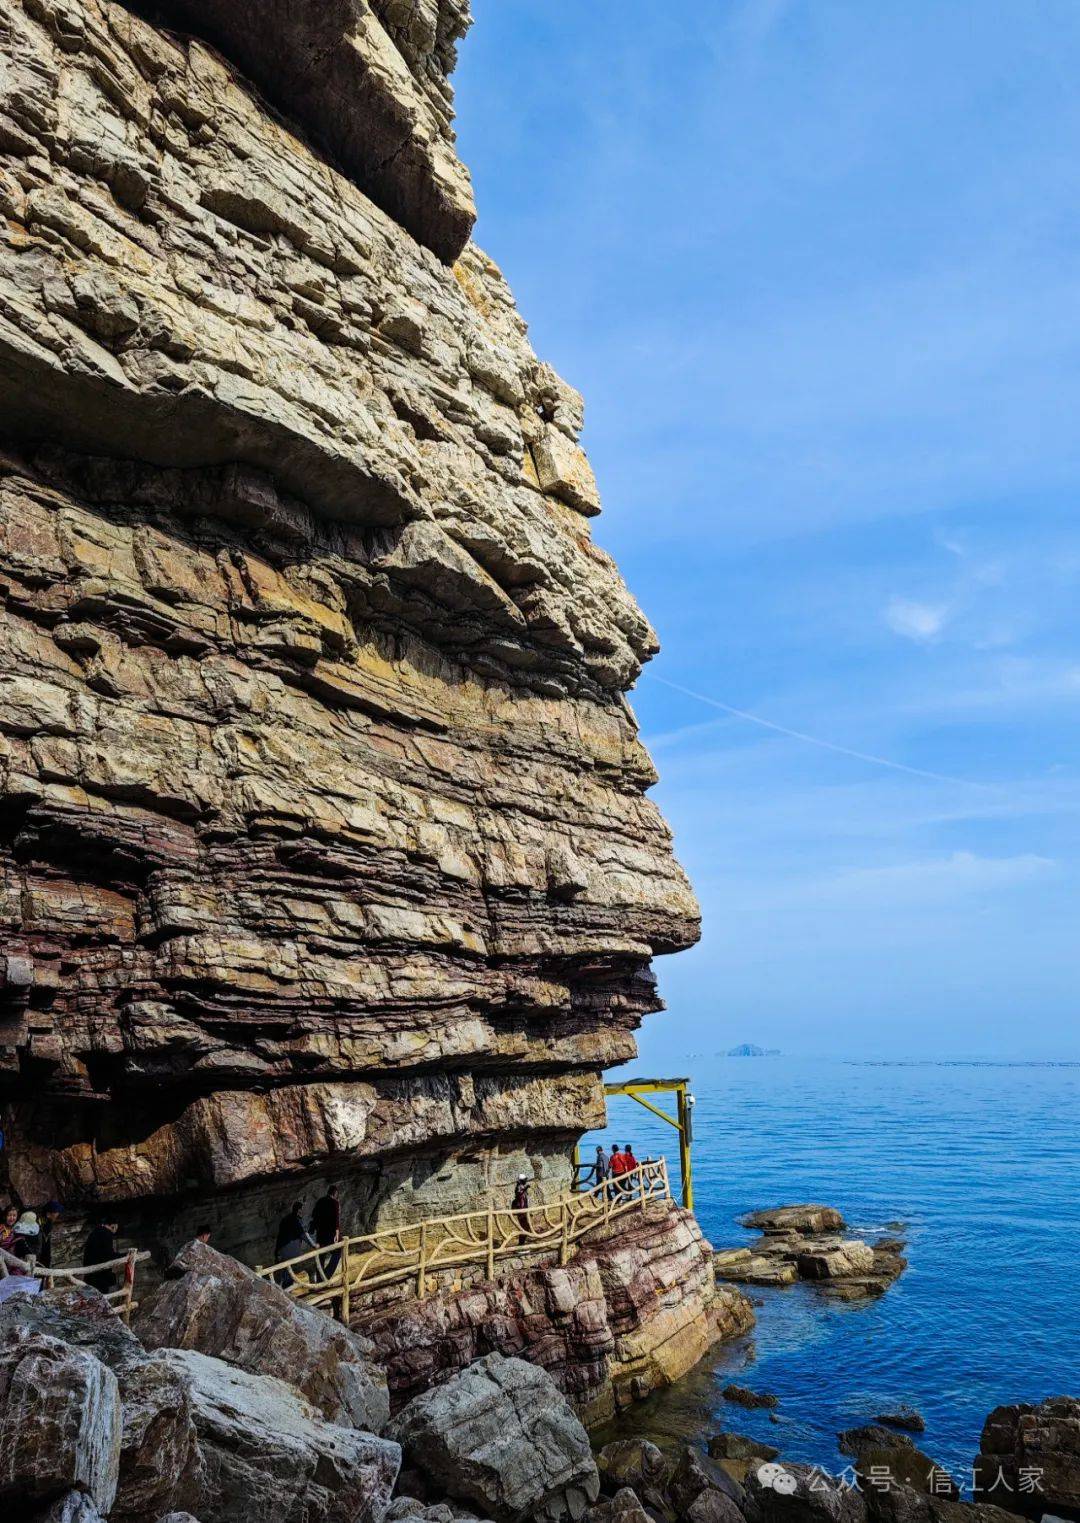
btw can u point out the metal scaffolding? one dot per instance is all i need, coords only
(637, 1089)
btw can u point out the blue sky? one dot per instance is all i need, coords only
(815, 265)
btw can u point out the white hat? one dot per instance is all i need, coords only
(523, 1179)
(27, 1225)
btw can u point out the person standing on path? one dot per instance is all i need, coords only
(326, 1229)
(50, 1214)
(292, 1240)
(99, 1248)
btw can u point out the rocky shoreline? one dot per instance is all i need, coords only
(231, 1403)
(812, 1242)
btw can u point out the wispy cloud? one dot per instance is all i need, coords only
(917, 621)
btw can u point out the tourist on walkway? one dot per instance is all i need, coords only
(100, 1248)
(8, 1240)
(27, 1235)
(326, 1229)
(293, 1239)
(602, 1166)
(519, 1205)
(51, 1213)
(630, 1163)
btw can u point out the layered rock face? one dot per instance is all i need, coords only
(323, 832)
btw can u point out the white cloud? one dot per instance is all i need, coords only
(916, 621)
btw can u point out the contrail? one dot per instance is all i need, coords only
(814, 740)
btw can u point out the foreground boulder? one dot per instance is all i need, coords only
(501, 1434)
(158, 1468)
(780, 1493)
(1029, 1457)
(214, 1305)
(804, 1220)
(60, 1423)
(807, 1243)
(268, 1457)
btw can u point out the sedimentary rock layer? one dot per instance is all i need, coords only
(323, 836)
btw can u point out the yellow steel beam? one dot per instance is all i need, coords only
(634, 1089)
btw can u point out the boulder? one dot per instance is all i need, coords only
(624, 1507)
(850, 1257)
(268, 1457)
(905, 1418)
(743, 1397)
(855, 1441)
(738, 1455)
(213, 1304)
(1029, 1456)
(60, 1421)
(502, 1435)
(701, 1490)
(803, 1220)
(72, 1507)
(778, 1493)
(158, 1462)
(633, 1462)
(897, 1467)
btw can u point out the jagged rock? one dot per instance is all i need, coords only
(781, 1493)
(894, 1467)
(737, 1455)
(268, 1457)
(501, 1435)
(744, 1397)
(806, 1221)
(219, 1307)
(704, 1492)
(846, 1259)
(158, 1464)
(1034, 1453)
(60, 1421)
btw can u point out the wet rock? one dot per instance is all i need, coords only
(854, 1441)
(737, 1454)
(268, 1457)
(1031, 1455)
(217, 1306)
(848, 1258)
(803, 1220)
(744, 1397)
(60, 1421)
(903, 1467)
(907, 1419)
(500, 1434)
(72, 1507)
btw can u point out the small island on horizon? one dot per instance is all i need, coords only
(748, 1050)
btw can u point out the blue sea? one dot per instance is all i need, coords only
(981, 1161)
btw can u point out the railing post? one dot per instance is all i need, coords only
(346, 1295)
(564, 1246)
(129, 1284)
(421, 1274)
(491, 1240)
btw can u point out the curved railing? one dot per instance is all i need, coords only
(121, 1301)
(391, 1255)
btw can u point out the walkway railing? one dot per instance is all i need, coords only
(121, 1301)
(393, 1255)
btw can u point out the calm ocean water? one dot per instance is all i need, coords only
(982, 1162)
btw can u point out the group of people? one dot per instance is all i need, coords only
(613, 1166)
(321, 1230)
(26, 1235)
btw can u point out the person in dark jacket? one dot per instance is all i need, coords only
(99, 1248)
(48, 1217)
(292, 1240)
(326, 1228)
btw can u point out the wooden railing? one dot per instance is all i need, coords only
(121, 1301)
(322, 1276)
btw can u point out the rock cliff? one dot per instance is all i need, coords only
(324, 839)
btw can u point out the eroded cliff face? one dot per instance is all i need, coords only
(323, 834)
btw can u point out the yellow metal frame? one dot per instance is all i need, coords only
(636, 1089)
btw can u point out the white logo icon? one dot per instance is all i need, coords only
(777, 1479)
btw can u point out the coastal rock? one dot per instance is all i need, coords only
(854, 1441)
(624, 1507)
(805, 1221)
(1031, 1456)
(737, 1455)
(848, 1258)
(704, 1492)
(60, 1422)
(782, 1493)
(744, 1397)
(895, 1467)
(500, 1434)
(214, 1305)
(72, 1507)
(635, 1309)
(267, 1456)
(633, 1462)
(906, 1419)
